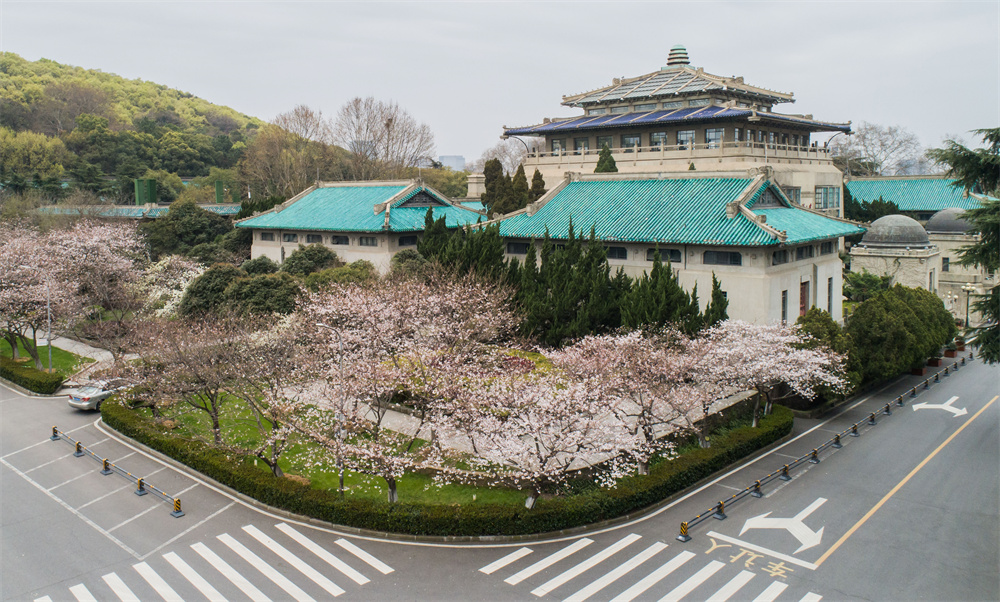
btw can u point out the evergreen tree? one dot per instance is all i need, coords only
(494, 182)
(435, 238)
(605, 162)
(519, 190)
(657, 299)
(717, 305)
(537, 187)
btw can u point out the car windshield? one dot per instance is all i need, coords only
(89, 390)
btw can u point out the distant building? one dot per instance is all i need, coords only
(455, 162)
(898, 246)
(134, 212)
(919, 197)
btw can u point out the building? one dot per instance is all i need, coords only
(454, 162)
(919, 197)
(357, 220)
(681, 118)
(147, 211)
(897, 246)
(774, 259)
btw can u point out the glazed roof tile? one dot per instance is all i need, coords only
(913, 194)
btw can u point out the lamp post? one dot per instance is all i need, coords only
(969, 289)
(527, 151)
(340, 415)
(48, 313)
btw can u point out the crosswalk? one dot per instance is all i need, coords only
(235, 567)
(581, 570)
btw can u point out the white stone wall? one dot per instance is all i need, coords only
(913, 267)
(380, 255)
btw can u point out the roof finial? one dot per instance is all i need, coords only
(678, 57)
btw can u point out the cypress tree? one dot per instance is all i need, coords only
(605, 162)
(435, 239)
(519, 190)
(493, 181)
(717, 305)
(537, 187)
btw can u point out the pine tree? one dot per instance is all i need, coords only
(435, 238)
(605, 162)
(716, 310)
(493, 181)
(537, 187)
(519, 190)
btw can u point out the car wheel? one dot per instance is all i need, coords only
(98, 406)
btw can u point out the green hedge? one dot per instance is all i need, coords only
(563, 512)
(30, 378)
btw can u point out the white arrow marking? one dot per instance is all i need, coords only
(941, 406)
(806, 536)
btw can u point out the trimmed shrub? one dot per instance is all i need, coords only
(30, 378)
(306, 260)
(633, 493)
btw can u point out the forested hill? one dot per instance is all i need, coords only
(64, 122)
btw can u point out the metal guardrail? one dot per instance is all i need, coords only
(108, 468)
(718, 511)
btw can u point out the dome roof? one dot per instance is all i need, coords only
(895, 231)
(948, 220)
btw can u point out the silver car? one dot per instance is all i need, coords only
(90, 396)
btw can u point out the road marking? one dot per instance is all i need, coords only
(319, 579)
(192, 575)
(118, 586)
(946, 406)
(899, 485)
(31, 470)
(230, 573)
(265, 569)
(128, 520)
(86, 474)
(811, 597)
(42, 442)
(327, 557)
(43, 598)
(548, 561)
(732, 587)
(492, 567)
(604, 554)
(188, 530)
(772, 592)
(157, 582)
(108, 494)
(123, 457)
(653, 578)
(373, 562)
(81, 593)
(76, 512)
(794, 525)
(693, 581)
(756, 548)
(617, 572)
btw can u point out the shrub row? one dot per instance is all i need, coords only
(633, 493)
(30, 378)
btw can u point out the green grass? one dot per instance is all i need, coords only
(63, 362)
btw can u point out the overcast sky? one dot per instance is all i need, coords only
(469, 68)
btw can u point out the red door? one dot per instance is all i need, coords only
(803, 298)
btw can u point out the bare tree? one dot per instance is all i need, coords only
(305, 123)
(382, 137)
(511, 153)
(877, 150)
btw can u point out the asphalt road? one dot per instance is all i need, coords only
(908, 510)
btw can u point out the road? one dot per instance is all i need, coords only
(907, 510)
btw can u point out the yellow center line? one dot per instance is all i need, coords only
(885, 499)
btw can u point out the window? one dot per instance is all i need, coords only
(699, 102)
(290, 237)
(770, 139)
(932, 288)
(407, 241)
(794, 193)
(630, 141)
(581, 144)
(267, 235)
(673, 105)
(619, 110)
(646, 107)
(314, 238)
(784, 307)
(804, 253)
(827, 197)
(750, 135)
(672, 255)
(795, 139)
(558, 145)
(608, 141)
(517, 248)
(599, 111)
(736, 134)
(784, 139)
(616, 252)
(945, 264)
(713, 137)
(827, 247)
(761, 135)
(368, 241)
(723, 258)
(685, 139)
(339, 240)
(779, 257)
(805, 139)
(658, 139)
(829, 296)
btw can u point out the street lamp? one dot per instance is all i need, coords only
(340, 415)
(48, 312)
(969, 289)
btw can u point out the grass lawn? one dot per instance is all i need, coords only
(63, 362)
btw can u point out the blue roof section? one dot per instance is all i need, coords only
(668, 211)
(352, 209)
(912, 194)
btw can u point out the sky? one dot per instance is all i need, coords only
(467, 69)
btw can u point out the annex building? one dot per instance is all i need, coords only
(919, 197)
(357, 220)
(680, 118)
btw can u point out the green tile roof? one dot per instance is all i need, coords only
(351, 209)
(677, 211)
(912, 194)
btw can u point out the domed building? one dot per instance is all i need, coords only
(898, 246)
(949, 231)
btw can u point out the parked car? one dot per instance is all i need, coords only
(90, 396)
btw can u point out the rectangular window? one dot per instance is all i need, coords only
(803, 298)
(699, 102)
(630, 141)
(267, 236)
(339, 240)
(407, 241)
(779, 257)
(761, 135)
(827, 247)
(805, 139)
(784, 139)
(795, 139)
(619, 110)
(314, 239)
(685, 139)
(722, 258)
(658, 139)
(804, 253)
(517, 248)
(597, 111)
(827, 197)
(646, 107)
(750, 135)
(608, 141)
(616, 252)
(673, 105)
(945, 264)
(368, 241)
(784, 307)
(736, 134)
(290, 237)
(713, 137)
(558, 145)
(770, 139)
(581, 144)
(829, 296)
(794, 193)
(672, 255)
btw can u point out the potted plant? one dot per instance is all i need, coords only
(950, 350)
(960, 343)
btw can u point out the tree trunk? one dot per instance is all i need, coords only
(644, 467)
(31, 346)
(703, 437)
(393, 496)
(756, 409)
(216, 427)
(11, 338)
(536, 492)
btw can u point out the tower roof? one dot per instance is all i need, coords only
(896, 231)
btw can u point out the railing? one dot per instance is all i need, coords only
(718, 511)
(108, 468)
(729, 148)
